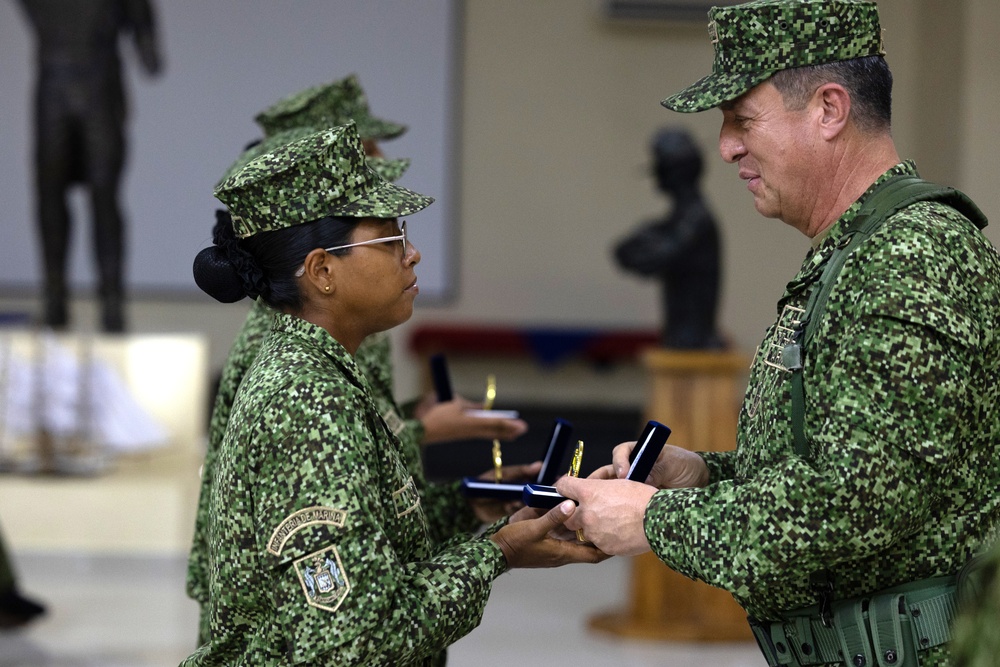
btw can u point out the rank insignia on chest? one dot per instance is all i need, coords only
(772, 357)
(784, 334)
(323, 579)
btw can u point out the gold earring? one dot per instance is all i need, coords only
(327, 288)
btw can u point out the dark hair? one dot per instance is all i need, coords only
(264, 264)
(867, 80)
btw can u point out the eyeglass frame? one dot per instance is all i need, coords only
(384, 239)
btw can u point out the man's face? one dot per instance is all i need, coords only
(776, 150)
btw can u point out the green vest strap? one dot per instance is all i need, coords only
(895, 194)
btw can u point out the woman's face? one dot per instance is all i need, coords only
(378, 283)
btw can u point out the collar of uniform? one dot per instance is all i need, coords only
(820, 253)
(320, 338)
(836, 230)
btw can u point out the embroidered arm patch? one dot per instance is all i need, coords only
(323, 578)
(309, 516)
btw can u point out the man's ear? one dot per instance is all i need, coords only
(318, 271)
(834, 106)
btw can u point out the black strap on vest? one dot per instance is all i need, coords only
(895, 194)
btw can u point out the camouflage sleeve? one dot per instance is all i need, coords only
(721, 465)
(346, 592)
(448, 512)
(886, 419)
(493, 529)
(870, 485)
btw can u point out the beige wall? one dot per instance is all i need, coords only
(558, 108)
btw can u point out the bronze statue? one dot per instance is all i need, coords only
(681, 249)
(80, 111)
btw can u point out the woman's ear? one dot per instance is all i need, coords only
(318, 271)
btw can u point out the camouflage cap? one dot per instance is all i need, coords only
(387, 168)
(756, 39)
(325, 106)
(324, 173)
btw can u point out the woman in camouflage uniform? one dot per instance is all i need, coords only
(415, 424)
(319, 548)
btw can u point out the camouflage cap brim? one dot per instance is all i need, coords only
(379, 129)
(386, 201)
(713, 90)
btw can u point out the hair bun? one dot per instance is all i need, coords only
(215, 274)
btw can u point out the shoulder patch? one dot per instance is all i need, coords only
(310, 516)
(323, 579)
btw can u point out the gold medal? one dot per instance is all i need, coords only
(491, 394)
(574, 471)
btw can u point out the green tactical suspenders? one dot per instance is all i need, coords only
(886, 628)
(893, 195)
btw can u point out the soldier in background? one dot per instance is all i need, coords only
(80, 113)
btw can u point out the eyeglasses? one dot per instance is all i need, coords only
(385, 239)
(401, 237)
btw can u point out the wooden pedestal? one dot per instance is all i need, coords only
(696, 394)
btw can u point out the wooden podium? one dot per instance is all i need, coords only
(697, 394)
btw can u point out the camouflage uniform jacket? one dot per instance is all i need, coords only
(447, 512)
(902, 380)
(319, 546)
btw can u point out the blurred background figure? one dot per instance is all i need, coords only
(681, 249)
(80, 112)
(15, 609)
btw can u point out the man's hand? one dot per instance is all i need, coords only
(610, 512)
(675, 468)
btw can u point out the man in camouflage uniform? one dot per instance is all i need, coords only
(846, 550)
(288, 120)
(319, 547)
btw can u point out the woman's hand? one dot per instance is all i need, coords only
(489, 510)
(526, 540)
(444, 422)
